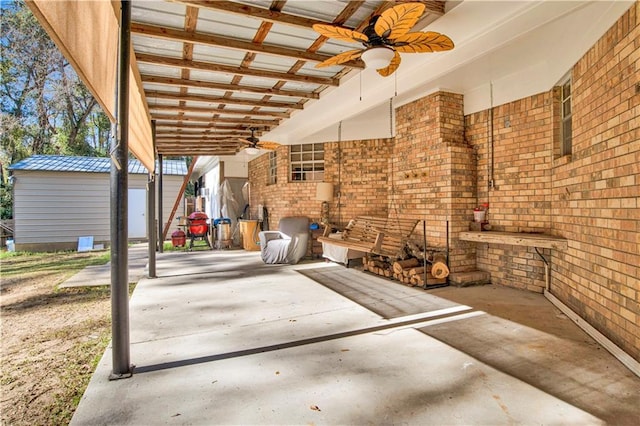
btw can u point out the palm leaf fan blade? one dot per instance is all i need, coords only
(268, 145)
(339, 33)
(340, 58)
(398, 20)
(419, 42)
(393, 66)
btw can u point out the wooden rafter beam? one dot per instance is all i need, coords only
(201, 145)
(220, 99)
(432, 7)
(208, 152)
(230, 43)
(196, 138)
(205, 150)
(226, 69)
(260, 13)
(236, 128)
(201, 136)
(225, 144)
(167, 117)
(226, 111)
(178, 198)
(181, 82)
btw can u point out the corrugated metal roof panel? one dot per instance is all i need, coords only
(205, 92)
(166, 14)
(150, 45)
(218, 55)
(227, 25)
(295, 85)
(291, 37)
(160, 71)
(214, 77)
(273, 63)
(161, 88)
(61, 163)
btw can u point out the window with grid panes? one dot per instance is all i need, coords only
(273, 166)
(566, 117)
(306, 162)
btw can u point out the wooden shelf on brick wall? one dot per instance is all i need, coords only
(516, 239)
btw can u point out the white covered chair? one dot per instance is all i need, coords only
(288, 244)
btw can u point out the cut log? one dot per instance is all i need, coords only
(404, 264)
(377, 264)
(431, 280)
(439, 268)
(419, 270)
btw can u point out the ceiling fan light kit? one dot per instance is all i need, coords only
(377, 57)
(384, 38)
(254, 145)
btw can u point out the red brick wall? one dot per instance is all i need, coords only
(596, 193)
(434, 172)
(590, 197)
(363, 173)
(360, 178)
(520, 200)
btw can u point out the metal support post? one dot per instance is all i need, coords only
(160, 204)
(119, 203)
(151, 212)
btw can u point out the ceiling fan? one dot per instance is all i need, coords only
(254, 144)
(384, 38)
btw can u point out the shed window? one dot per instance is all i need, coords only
(273, 166)
(307, 162)
(566, 111)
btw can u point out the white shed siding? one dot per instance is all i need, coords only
(59, 207)
(52, 207)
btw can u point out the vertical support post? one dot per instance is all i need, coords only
(424, 252)
(119, 204)
(160, 204)
(151, 211)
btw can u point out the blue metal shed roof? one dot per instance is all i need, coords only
(62, 163)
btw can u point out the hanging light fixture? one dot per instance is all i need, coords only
(251, 150)
(377, 57)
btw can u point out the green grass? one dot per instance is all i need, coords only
(14, 263)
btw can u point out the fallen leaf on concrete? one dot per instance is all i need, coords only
(315, 408)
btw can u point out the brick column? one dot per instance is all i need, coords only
(433, 173)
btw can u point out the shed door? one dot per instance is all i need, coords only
(137, 213)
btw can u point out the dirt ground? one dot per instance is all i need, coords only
(52, 339)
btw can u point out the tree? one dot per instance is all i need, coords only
(41, 89)
(44, 107)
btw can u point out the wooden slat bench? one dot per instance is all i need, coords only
(375, 235)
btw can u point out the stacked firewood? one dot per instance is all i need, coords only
(379, 265)
(410, 271)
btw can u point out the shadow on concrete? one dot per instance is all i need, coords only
(296, 343)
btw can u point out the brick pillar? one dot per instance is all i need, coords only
(433, 173)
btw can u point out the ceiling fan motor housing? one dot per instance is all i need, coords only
(375, 39)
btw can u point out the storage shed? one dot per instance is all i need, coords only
(58, 199)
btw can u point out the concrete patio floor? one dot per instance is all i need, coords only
(221, 338)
